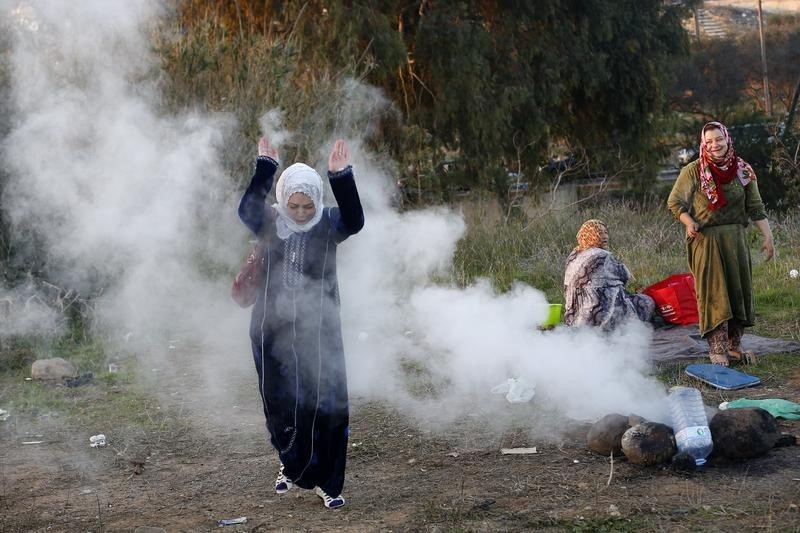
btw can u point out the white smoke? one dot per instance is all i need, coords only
(24, 312)
(118, 187)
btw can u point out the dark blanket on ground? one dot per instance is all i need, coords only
(684, 342)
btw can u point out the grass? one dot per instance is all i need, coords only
(109, 396)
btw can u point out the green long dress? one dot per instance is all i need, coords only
(719, 257)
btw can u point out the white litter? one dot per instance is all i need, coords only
(517, 451)
(517, 390)
(97, 441)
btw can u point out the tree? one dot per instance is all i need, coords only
(487, 75)
(490, 82)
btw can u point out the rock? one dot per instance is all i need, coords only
(55, 368)
(605, 435)
(743, 433)
(634, 420)
(649, 443)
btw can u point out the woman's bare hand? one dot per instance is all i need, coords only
(340, 156)
(769, 247)
(265, 148)
(692, 229)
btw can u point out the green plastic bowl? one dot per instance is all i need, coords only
(553, 316)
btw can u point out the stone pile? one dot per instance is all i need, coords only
(738, 434)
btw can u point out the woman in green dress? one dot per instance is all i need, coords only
(716, 197)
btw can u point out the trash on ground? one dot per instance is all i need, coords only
(232, 521)
(453, 454)
(113, 368)
(517, 390)
(4, 414)
(97, 441)
(83, 379)
(777, 407)
(32, 441)
(517, 451)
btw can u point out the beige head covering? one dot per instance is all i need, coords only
(297, 178)
(589, 234)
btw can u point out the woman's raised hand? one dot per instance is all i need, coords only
(340, 156)
(265, 148)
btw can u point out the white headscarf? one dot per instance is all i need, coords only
(297, 178)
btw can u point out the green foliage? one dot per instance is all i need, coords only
(16, 353)
(497, 83)
(488, 83)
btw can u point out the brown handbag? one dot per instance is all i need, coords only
(247, 281)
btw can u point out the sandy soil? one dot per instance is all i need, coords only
(179, 471)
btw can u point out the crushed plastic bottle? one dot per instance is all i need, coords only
(232, 521)
(689, 423)
(97, 441)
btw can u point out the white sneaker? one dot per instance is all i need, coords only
(282, 483)
(330, 503)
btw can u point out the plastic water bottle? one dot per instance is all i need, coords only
(689, 423)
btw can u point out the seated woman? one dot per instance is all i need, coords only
(594, 284)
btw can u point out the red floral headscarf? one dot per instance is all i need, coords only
(714, 174)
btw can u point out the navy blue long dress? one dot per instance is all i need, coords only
(296, 334)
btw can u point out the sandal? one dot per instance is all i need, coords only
(718, 359)
(745, 357)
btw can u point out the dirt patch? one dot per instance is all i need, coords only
(185, 476)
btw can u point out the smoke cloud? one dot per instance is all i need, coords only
(119, 189)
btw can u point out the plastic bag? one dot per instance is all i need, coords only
(675, 299)
(777, 407)
(517, 390)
